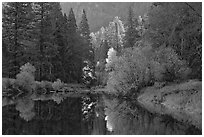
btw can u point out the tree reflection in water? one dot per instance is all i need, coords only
(94, 115)
(128, 118)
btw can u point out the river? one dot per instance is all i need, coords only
(127, 117)
(96, 115)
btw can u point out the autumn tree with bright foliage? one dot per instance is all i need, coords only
(141, 67)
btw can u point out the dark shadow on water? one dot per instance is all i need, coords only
(96, 115)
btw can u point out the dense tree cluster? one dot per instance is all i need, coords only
(39, 33)
(178, 25)
(167, 48)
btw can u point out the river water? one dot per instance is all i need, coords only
(127, 117)
(97, 115)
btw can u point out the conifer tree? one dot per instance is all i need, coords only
(59, 38)
(15, 22)
(88, 51)
(39, 56)
(71, 31)
(84, 26)
(85, 33)
(73, 51)
(131, 34)
(72, 26)
(43, 36)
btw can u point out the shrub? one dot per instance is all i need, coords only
(175, 69)
(57, 85)
(28, 68)
(25, 79)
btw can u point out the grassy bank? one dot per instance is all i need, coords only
(181, 101)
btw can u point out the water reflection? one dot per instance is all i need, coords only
(99, 122)
(92, 115)
(128, 118)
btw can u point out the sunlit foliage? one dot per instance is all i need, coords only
(140, 67)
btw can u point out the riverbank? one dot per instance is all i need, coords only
(181, 101)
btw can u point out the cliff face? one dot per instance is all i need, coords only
(101, 13)
(181, 101)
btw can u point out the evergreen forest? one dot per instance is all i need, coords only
(136, 75)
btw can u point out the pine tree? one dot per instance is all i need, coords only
(71, 32)
(85, 33)
(84, 27)
(72, 26)
(60, 38)
(59, 41)
(73, 51)
(131, 34)
(88, 51)
(16, 24)
(70, 50)
(43, 36)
